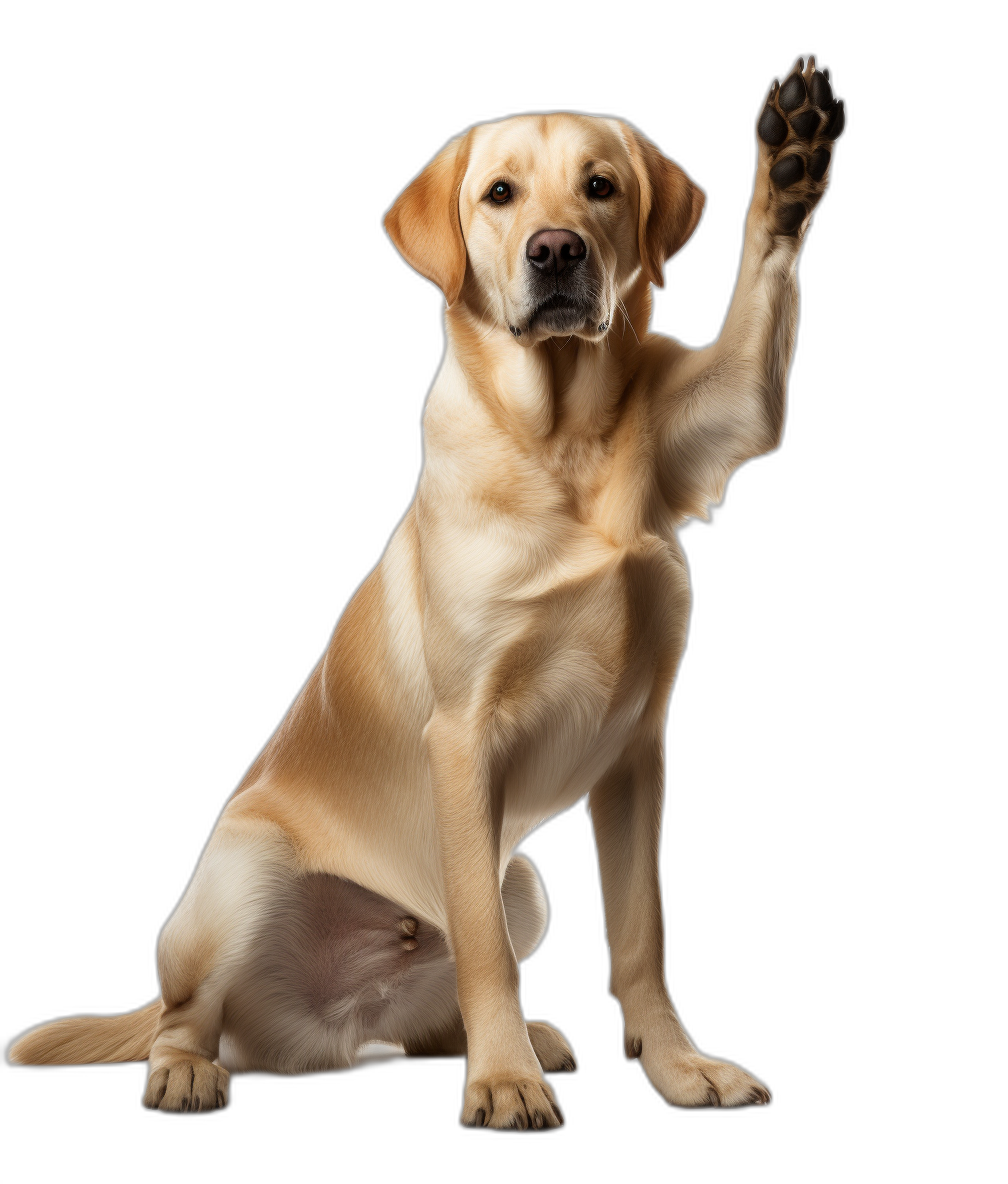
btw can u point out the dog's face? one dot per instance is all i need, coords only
(542, 222)
(548, 210)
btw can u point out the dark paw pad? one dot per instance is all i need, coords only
(822, 92)
(817, 165)
(835, 124)
(788, 171)
(806, 124)
(771, 128)
(792, 93)
(790, 217)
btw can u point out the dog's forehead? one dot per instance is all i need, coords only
(533, 143)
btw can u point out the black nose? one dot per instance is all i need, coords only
(553, 250)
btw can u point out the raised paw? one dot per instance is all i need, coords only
(553, 1052)
(522, 1104)
(797, 128)
(186, 1083)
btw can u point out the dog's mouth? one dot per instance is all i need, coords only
(559, 313)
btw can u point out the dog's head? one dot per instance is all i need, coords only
(542, 222)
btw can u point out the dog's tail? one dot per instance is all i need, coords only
(90, 1039)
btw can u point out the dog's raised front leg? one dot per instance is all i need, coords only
(724, 404)
(626, 814)
(504, 1082)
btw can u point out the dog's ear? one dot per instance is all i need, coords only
(424, 221)
(670, 205)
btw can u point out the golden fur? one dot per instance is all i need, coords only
(512, 652)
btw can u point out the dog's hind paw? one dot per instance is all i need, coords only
(186, 1083)
(551, 1049)
(799, 123)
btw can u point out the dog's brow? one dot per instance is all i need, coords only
(601, 163)
(509, 166)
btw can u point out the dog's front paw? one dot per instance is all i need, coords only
(698, 1081)
(799, 123)
(685, 1077)
(511, 1104)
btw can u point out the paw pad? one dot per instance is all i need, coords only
(772, 128)
(792, 93)
(822, 92)
(787, 171)
(790, 217)
(836, 121)
(817, 165)
(805, 125)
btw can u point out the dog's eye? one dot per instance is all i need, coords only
(501, 192)
(600, 187)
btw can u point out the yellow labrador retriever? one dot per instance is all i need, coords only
(513, 650)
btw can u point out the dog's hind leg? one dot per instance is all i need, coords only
(526, 913)
(199, 952)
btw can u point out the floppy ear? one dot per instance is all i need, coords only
(670, 205)
(424, 221)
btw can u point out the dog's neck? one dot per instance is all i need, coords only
(558, 389)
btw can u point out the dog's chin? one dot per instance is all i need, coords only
(562, 320)
(559, 316)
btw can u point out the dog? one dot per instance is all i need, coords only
(512, 652)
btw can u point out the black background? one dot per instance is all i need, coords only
(222, 365)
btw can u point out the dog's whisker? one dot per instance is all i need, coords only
(627, 321)
(490, 328)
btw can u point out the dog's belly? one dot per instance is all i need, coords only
(332, 966)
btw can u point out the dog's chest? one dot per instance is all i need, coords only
(592, 647)
(617, 587)
(553, 612)
(565, 597)
(591, 628)
(622, 602)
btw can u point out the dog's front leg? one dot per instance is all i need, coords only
(504, 1082)
(725, 404)
(626, 814)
